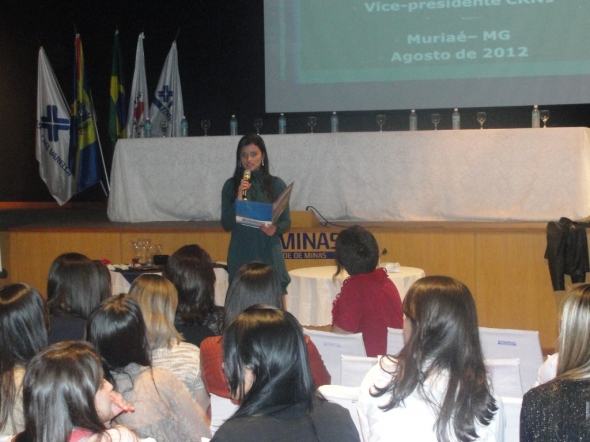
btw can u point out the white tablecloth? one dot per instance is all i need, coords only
(312, 291)
(469, 175)
(121, 285)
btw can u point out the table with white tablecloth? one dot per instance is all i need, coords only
(312, 291)
(121, 285)
(445, 175)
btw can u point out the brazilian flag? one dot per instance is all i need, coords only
(118, 107)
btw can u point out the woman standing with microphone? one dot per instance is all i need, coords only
(247, 243)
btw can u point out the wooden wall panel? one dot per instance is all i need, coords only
(438, 253)
(6, 258)
(32, 252)
(215, 242)
(503, 267)
(513, 284)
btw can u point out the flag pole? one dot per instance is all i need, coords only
(104, 167)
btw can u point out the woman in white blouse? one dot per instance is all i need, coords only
(436, 388)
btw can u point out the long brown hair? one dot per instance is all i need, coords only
(444, 338)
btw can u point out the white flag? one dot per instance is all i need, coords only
(138, 98)
(53, 134)
(167, 108)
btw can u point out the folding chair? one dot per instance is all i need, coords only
(346, 397)
(333, 345)
(505, 376)
(395, 340)
(507, 344)
(354, 369)
(512, 408)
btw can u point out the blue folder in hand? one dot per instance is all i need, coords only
(252, 214)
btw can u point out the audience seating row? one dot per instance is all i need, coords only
(508, 349)
(513, 358)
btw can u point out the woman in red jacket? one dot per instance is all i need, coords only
(254, 283)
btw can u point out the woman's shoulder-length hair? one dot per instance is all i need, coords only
(117, 330)
(73, 285)
(271, 344)
(190, 269)
(158, 300)
(254, 283)
(59, 391)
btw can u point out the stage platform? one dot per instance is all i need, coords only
(502, 263)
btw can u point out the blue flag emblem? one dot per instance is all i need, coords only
(53, 123)
(165, 94)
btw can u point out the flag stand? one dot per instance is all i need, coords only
(104, 167)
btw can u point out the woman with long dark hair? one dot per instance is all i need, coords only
(24, 321)
(268, 372)
(255, 283)
(560, 409)
(190, 269)
(74, 289)
(164, 409)
(66, 398)
(247, 243)
(436, 388)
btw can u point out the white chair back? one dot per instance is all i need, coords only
(346, 397)
(512, 414)
(505, 376)
(354, 369)
(333, 345)
(500, 343)
(395, 340)
(221, 409)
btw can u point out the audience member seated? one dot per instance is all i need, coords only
(67, 399)
(267, 369)
(24, 321)
(559, 409)
(164, 409)
(369, 301)
(254, 283)
(105, 284)
(158, 300)
(436, 388)
(73, 291)
(191, 271)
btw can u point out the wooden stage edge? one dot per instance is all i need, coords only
(502, 263)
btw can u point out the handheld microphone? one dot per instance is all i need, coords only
(247, 175)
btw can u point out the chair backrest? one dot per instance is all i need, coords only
(346, 397)
(512, 408)
(354, 369)
(505, 376)
(395, 340)
(333, 345)
(221, 409)
(522, 344)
